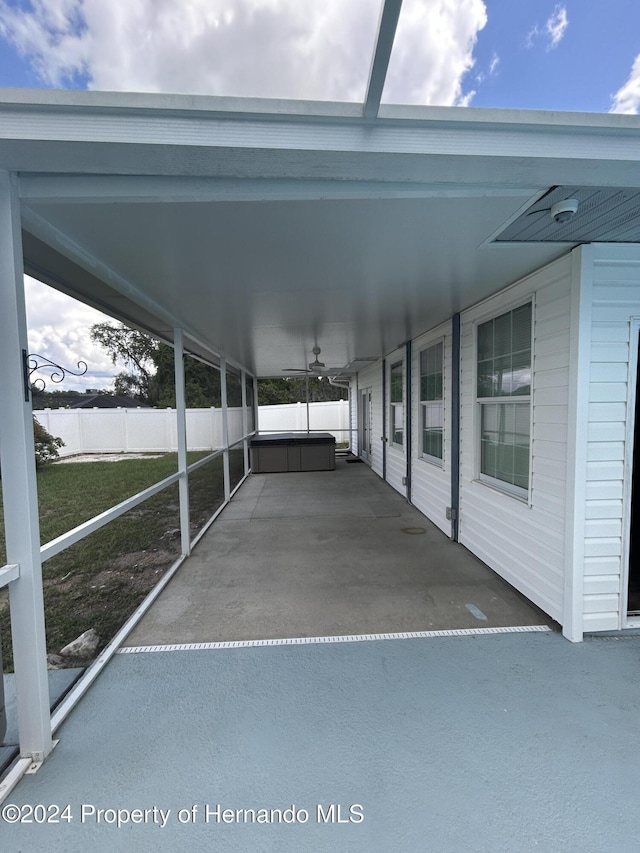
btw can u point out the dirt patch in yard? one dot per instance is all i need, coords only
(101, 580)
(81, 599)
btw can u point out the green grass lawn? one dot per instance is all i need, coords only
(98, 582)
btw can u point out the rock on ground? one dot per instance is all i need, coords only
(84, 647)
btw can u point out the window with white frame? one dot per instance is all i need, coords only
(396, 403)
(504, 396)
(431, 402)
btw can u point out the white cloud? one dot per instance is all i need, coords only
(627, 98)
(50, 34)
(318, 49)
(532, 35)
(556, 26)
(491, 71)
(59, 330)
(553, 30)
(433, 51)
(269, 48)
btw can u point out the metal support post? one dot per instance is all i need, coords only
(225, 429)
(256, 425)
(17, 457)
(455, 426)
(245, 421)
(181, 414)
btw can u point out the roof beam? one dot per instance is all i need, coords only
(101, 189)
(381, 56)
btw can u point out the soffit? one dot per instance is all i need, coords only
(604, 215)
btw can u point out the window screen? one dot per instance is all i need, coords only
(396, 398)
(431, 400)
(504, 395)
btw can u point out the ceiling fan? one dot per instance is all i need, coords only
(314, 368)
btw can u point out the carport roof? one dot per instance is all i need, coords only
(264, 227)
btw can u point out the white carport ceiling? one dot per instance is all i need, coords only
(265, 228)
(264, 282)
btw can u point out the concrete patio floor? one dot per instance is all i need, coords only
(504, 743)
(324, 554)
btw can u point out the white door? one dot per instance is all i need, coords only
(364, 439)
(395, 415)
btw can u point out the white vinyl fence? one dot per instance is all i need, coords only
(154, 430)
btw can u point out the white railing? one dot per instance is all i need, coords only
(8, 573)
(155, 430)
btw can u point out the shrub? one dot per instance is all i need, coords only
(46, 444)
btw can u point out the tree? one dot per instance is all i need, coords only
(151, 378)
(133, 348)
(293, 389)
(202, 382)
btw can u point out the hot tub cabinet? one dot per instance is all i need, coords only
(288, 451)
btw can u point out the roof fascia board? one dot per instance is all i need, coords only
(389, 16)
(131, 103)
(239, 132)
(101, 189)
(272, 109)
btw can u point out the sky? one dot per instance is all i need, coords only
(577, 55)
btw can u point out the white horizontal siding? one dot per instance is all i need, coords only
(603, 431)
(601, 509)
(553, 378)
(596, 585)
(551, 432)
(609, 333)
(603, 527)
(430, 482)
(396, 469)
(549, 503)
(553, 360)
(603, 546)
(614, 276)
(524, 543)
(601, 621)
(601, 567)
(549, 468)
(604, 451)
(371, 377)
(608, 372)
(608, 352)
(604, 490)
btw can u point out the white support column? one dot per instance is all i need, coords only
(17, 456)
(256, 425)
(225, 429)
(245, 420)
(181, 415)
(578, 422)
